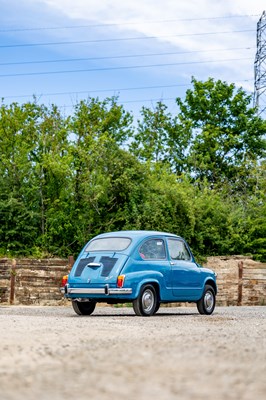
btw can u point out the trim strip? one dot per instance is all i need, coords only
(103, 291)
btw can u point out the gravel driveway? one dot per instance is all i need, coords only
(50, 353)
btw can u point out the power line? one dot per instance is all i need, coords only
(107, 90)
(162, 99)
(118, 68)
(123, 56)
(128, 23)
(120, 39)
(102, 90)
(145, 100)
(132, 101)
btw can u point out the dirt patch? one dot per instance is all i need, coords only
(50, 353)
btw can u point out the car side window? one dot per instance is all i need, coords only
(178, 250)
(153, 249)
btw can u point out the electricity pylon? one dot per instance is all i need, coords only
(260, 68)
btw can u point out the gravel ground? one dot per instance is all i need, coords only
(50, 353)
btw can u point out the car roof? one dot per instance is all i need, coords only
(136, 237)
(135, 233)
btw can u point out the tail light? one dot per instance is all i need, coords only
(120, 281)
(64, 280)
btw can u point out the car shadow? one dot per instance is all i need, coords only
(157, 315)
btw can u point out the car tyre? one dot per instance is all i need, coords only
(206, 304)
(83, 307)
(157, 307)
(146, 304)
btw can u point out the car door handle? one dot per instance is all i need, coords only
(173, 263)
(94, 265)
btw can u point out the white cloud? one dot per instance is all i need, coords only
(132, 9)
(178, 26)
(135, 16)
(192, 17)
(137, 10)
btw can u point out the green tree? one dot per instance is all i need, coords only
(227, 135)
(34, 179)
(65, 179)
(51, 165)
(99, 128)
(255, 212)
(161, 138)
(18, 201)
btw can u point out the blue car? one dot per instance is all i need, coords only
(146, 268)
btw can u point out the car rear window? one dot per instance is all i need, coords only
(109, 244)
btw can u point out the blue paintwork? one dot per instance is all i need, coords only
(176, 280)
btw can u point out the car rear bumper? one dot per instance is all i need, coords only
(106, 290)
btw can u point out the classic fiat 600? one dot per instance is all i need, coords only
(145, 268)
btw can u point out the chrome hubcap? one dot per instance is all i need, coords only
(208, 300)
(147, 300)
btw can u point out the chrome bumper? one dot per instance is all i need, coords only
(106, 290)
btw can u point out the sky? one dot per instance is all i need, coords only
(143, 51)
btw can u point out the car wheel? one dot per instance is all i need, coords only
(146, 303)
(83, 307)
(157, 307)
(206, 304)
